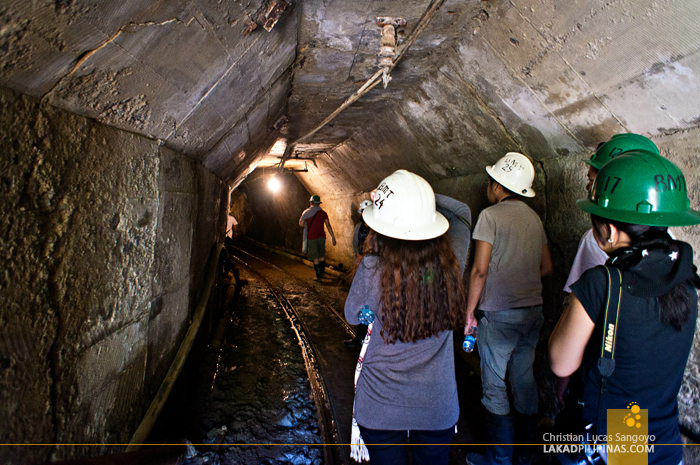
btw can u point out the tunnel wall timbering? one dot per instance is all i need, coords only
(102, 243)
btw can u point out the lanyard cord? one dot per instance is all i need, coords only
(358, 450)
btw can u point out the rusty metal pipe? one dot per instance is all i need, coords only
(144, 429)
(371, 82)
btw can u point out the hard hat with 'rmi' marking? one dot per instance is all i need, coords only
(641, 188)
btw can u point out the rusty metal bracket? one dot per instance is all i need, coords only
(388, 42)
(274, 13)
(395, 21)
(250, 26)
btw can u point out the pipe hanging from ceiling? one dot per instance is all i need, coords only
(387, 44)
(371, 82)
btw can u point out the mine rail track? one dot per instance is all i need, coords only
(329, 308)
(332, 452)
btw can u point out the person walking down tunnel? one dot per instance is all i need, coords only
(634, 199)
(313, 219)
(505, 305)
(409, 280)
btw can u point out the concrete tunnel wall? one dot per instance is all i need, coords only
(105, 235)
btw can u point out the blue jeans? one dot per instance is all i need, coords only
(507, 340)
(389, 447)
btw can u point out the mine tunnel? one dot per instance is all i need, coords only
(137, 133)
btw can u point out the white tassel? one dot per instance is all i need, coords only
(358, 450)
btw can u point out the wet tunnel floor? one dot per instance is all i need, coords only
(252, 386)
(260, 393)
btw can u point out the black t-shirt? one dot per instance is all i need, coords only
(650, 358)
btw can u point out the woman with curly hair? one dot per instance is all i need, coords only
(410, 278)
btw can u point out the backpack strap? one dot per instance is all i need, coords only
(606, 362)
(312, 220)
(465, 221)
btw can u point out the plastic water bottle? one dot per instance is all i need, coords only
(469, 340)
(366, 315)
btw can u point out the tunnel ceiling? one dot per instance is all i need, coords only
(207, 78)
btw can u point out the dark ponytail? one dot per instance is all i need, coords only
(674, 306)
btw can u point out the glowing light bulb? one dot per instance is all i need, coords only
(273, 184)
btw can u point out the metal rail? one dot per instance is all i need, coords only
(341, 318)
(294, 256)
(326, 416)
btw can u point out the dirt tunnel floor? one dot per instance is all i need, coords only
(260, 393)
(253, 388)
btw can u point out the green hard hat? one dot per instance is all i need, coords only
(315, 199)
(617, 145)
(641, 188)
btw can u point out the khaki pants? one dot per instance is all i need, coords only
(316, 248)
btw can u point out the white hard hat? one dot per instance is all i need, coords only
(404, 208)
(514, 172)
(363, 205)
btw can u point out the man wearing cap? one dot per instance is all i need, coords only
(505, 304)
(313, 219)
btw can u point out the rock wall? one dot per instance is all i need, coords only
(683, 148)
(103, 241)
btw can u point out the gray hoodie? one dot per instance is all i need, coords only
(406, 385)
